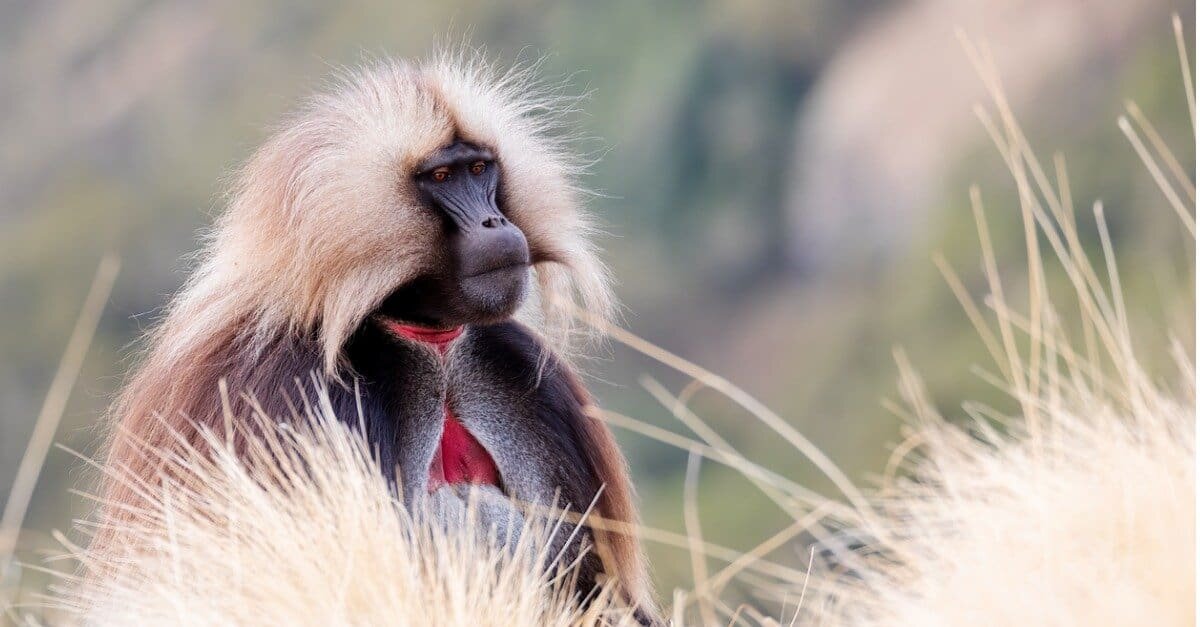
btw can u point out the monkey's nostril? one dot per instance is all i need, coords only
(494, 222)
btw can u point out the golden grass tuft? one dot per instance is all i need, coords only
(1092, 523)
(303, 529)
(1079, 509)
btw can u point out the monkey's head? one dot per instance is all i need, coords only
(434, 194)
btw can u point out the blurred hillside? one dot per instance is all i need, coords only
(773, 178)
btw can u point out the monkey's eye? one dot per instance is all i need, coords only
(478, 167)
(439, 175)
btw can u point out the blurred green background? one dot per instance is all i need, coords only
(774, 178)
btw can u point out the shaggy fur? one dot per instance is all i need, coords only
(322, 224)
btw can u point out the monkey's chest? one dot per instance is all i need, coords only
(476, 407)
(460, 458)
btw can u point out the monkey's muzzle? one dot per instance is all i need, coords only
(493, 266)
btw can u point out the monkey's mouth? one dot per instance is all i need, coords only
(498, 271)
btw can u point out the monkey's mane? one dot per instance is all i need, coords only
(380, 119)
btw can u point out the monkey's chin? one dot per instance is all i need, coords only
(494, 296)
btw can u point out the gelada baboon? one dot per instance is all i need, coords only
(386, 237)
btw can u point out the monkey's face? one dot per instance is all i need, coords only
(485, 265)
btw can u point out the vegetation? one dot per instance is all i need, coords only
(814, 345)
(302, 529)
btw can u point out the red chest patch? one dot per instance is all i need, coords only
(460, 458)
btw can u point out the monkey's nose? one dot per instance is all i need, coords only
(494, 222)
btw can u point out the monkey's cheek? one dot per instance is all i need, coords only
(495, 296)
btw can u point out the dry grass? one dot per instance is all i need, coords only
(1078, 509)
(303, 530)
(52, 410)
(1090, 524)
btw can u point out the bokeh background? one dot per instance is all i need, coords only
(774, 178)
